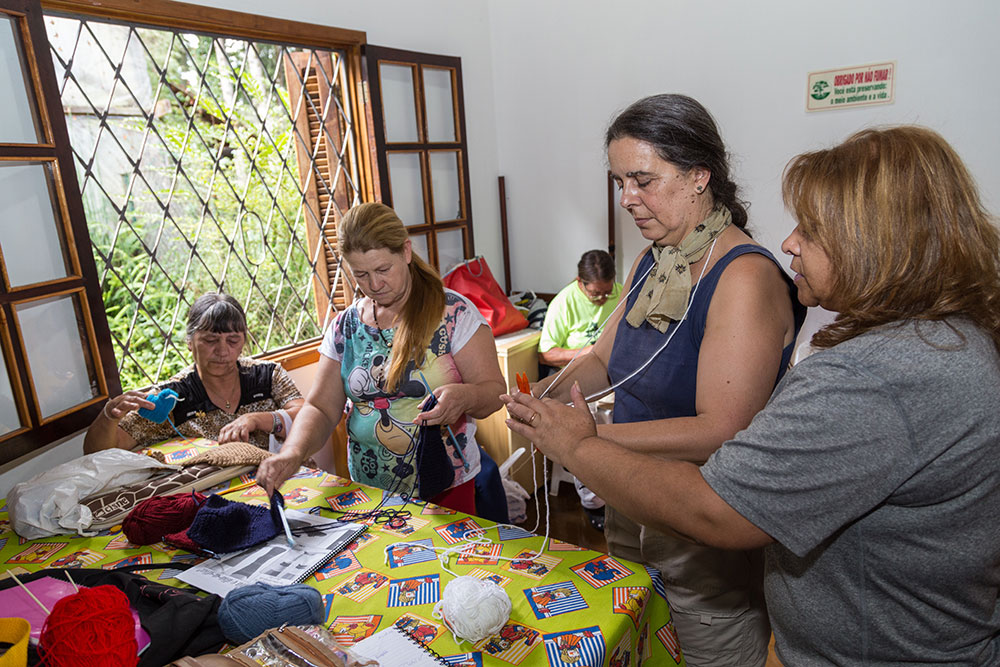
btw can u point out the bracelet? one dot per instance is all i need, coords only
(277, 425)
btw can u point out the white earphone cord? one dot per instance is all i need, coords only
(636, 284)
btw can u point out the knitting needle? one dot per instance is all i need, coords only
(288, 530)
(454, 440)
(284, 521)
(239, 487)
(30, 593)
(522, 383)
(71, 581)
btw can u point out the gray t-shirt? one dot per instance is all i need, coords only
(876, 468)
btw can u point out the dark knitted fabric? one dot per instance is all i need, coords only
(435, 472)
(222, 526)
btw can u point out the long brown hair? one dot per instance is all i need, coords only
(900, 218)
(375, 226)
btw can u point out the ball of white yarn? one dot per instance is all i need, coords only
(472, 608)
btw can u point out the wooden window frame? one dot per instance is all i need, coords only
(429, 227)
(52, 152)
(56, 149)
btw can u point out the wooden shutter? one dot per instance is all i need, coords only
(319, 146)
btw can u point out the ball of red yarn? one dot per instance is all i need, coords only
(153, 518)
(91, 628)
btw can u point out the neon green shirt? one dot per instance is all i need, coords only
(572, 321)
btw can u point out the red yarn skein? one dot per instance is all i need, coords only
(153, 518)
(91, 628)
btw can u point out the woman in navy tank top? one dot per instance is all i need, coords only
(726, 308)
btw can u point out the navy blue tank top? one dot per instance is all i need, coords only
(667, 387)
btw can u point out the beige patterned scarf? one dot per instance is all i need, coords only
(664, 296)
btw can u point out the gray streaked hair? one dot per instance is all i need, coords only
(218, 313)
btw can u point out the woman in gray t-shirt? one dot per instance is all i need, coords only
(872, 477)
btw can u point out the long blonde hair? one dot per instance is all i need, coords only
(375, 226)
(900, 218)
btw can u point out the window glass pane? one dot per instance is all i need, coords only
(29, 225)
(407, 187)
(451, 248)
(419, 244)
(439, 104)
(54, 339)
(444, 185)
(398, 106)
(17, 117)
(206, 163)
(9, 419)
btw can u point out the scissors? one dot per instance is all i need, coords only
(393, 519)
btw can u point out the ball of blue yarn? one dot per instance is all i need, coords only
(248, 611)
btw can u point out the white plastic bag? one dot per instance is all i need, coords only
(517, 506)
(49, 503)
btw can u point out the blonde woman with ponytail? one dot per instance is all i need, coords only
(406, 330)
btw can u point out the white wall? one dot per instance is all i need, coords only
(562, 70)
(543, 79)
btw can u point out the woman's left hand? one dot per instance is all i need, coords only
(555, 428)
(239, 429)
(449, 409)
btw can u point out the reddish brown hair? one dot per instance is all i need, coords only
(901, 220)
(375, 226)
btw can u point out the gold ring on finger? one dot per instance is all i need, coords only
(532, 420)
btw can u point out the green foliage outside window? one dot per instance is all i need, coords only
(229, 218)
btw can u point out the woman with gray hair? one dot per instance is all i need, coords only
(222, 396)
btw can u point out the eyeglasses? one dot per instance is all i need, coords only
(594, 294)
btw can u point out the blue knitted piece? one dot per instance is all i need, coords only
(435, 471)
(248, 611)
(222, 526)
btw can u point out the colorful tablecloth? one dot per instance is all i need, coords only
(571, 606)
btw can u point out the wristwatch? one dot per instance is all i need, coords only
(277, 425)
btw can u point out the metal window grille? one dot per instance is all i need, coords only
(206, 163)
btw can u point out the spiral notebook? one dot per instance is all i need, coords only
(396, 646)
(317, 541)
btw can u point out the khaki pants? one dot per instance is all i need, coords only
(715, 596)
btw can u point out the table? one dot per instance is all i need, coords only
(571, 606)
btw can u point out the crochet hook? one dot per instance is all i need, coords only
(454, 440)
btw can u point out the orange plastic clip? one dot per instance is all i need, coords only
(522, 383)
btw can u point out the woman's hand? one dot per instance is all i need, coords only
(553, 427)
(239, 429)
(119, 406)
(449, 409)
(275, 470)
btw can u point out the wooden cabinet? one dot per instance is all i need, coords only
(516, 353)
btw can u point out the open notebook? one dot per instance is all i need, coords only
(317, 540)
(395, 646)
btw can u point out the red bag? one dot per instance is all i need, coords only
(474, 280)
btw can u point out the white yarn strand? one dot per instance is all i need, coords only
(635, 284)
(474, 608)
